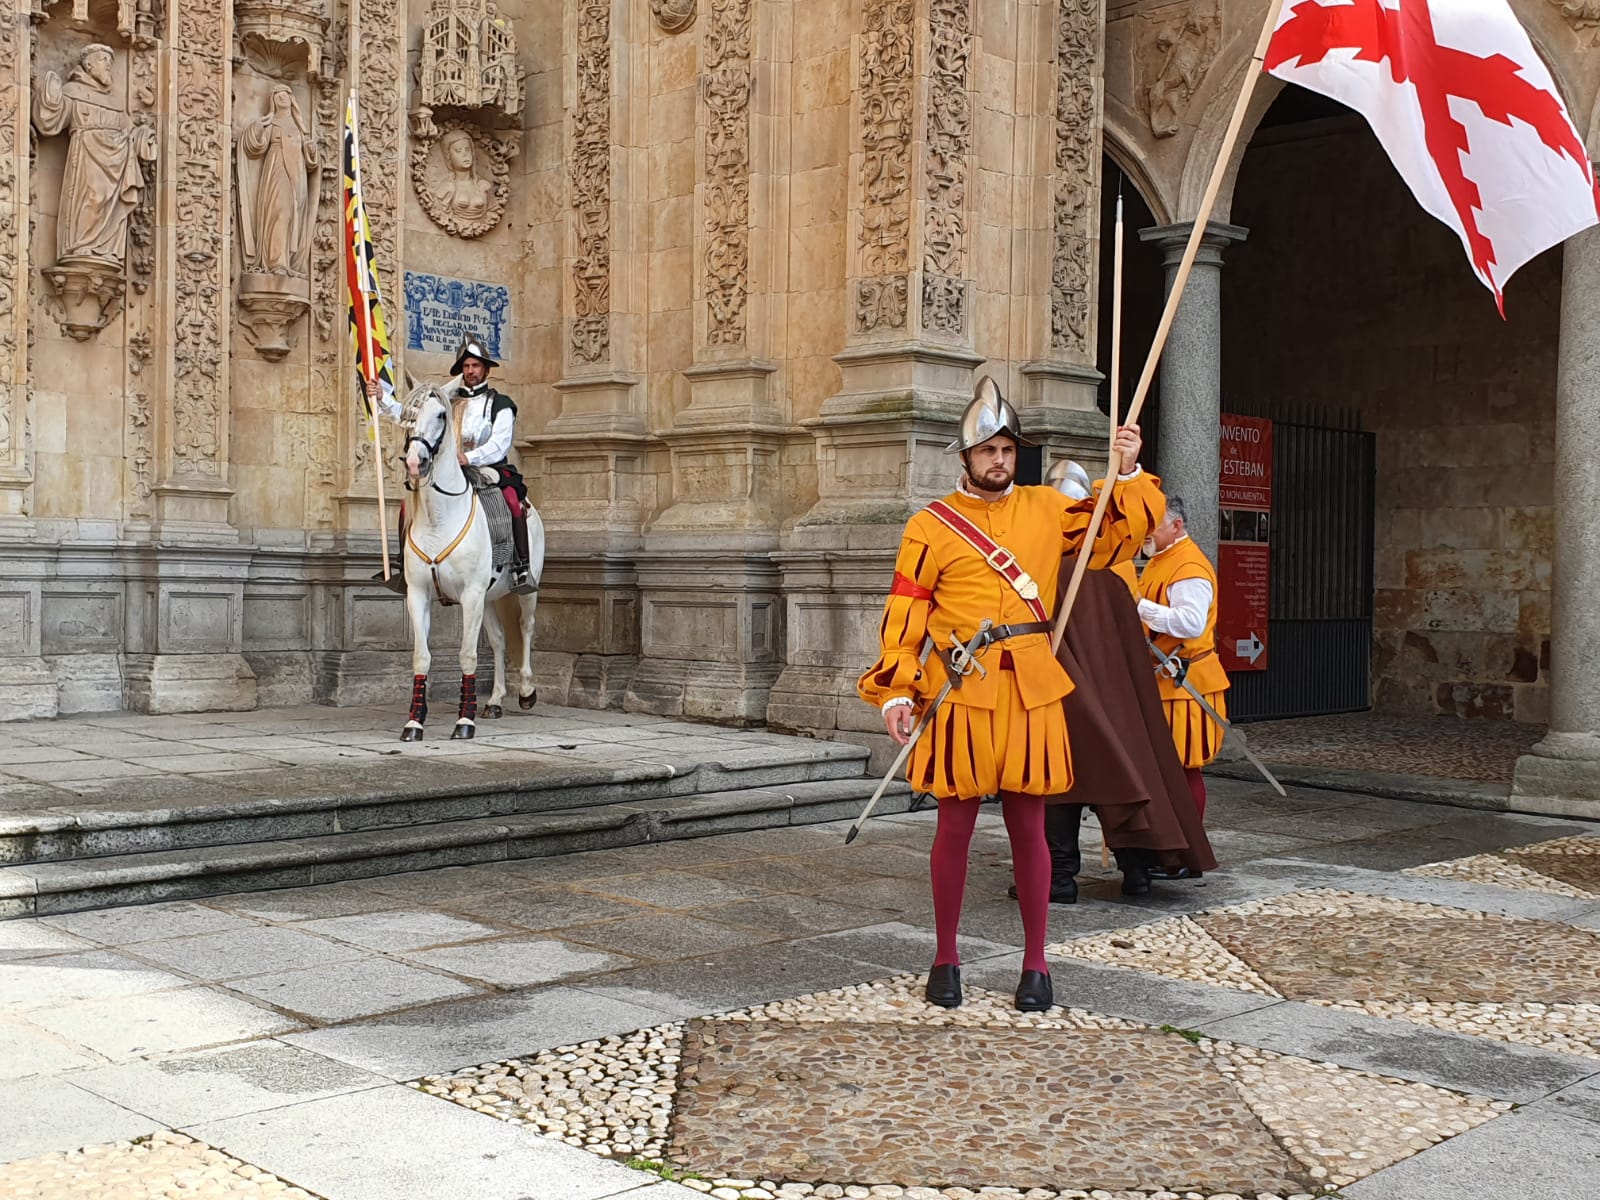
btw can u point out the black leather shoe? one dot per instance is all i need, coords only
(1034, 993)
(1064, 892)
(944, 986)
(1175, 873)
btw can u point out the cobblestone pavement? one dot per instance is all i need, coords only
(1438, 747)
(1344, 1006)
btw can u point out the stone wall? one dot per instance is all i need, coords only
(1347, 296)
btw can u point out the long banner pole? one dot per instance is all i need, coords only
(1190, 251)
(368, 355)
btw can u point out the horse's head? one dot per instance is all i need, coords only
(428, 428)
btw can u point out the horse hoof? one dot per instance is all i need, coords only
(528, 701)
(492, 712)
(464, 731)
(411, 733)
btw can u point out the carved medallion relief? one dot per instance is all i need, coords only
(462, 178)
(674, 16)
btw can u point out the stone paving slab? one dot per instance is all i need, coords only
(43, 1116)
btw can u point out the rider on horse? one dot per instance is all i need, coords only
(485, 418)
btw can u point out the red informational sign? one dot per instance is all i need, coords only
(1244, 544)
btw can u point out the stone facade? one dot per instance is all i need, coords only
(742, 260)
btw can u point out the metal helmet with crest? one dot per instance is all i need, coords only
(472, 346)
(1070, 479)
(987, 416)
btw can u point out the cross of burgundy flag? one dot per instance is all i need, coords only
(1464, 108)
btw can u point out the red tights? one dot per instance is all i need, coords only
(1030, 864)
(1197, 789)
(513, 501)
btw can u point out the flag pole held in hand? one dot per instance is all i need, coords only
(1191, 250)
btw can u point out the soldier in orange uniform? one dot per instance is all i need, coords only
(991, 551)
(1178, 604)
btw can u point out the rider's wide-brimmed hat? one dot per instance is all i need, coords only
(471, 347)
(988, 415)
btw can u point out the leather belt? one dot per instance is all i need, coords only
(1000, 633)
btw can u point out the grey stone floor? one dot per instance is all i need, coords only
(280, 1026)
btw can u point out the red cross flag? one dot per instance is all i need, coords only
(1464, 108)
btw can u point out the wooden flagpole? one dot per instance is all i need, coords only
(1164, 329)
(372, 408)
(1116, 394)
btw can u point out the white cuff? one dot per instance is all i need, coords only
(894, 700)
(1133, 474)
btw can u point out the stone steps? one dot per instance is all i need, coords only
(171, 854)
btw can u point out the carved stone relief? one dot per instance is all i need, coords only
(105, 177)
(1178, 45)
(200, 176)
(1077, 172)
(462, 178)
(13, 382)
(468, 60)
(944, 229)
(589, 175)
(327, 316)
(674, 16)
(726, 90)
(883, 251)
(1582, 15)
(277, 161)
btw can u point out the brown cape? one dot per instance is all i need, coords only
(1123, 759)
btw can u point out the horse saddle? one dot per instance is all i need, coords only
(493, 503)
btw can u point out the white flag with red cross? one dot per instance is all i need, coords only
(1464, 108)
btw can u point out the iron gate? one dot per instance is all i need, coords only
(1320, 608)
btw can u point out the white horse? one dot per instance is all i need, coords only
(448, 556)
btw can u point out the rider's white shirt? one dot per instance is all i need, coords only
(483, 442)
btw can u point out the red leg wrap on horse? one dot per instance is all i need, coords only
(469, 697)
(1030, 867)
(1197, 789)
(948, 868)
(419, 697)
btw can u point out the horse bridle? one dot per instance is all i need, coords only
(433, 453)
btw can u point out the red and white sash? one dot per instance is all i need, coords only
(997, 556)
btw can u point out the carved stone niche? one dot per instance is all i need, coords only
(468, 63)
(273, 33)
(278, 183)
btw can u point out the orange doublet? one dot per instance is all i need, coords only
(1004, 730)
(1197, 737)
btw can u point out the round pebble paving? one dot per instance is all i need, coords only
(166, 1166)
(1512, 979)
(637, 1096)
(1568, 866)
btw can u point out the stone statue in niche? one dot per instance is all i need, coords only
(1175, 63)
(462, 179)
(277, 161)
(674, 16)
(101, 185)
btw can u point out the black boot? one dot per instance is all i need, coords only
(396, 582)
(1061, 823)
(521, 582)
(944, 985)
(1034, 993)
(1135, 868)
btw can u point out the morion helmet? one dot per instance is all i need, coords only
(1069, 478)
(988, 415)
(471, 347)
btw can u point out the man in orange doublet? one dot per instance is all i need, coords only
(1001, 732)
(1178, 604)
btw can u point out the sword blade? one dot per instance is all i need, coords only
(1227, 725)
(894, 767)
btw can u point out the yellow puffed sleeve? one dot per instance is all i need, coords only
(898, 671)
(1137, 507)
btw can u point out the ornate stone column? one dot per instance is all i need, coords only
(592, 458)
(1562, 774)
(707, 562)
(1059, 405)
(909, 330)
(1187, 455)
(15, 81)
